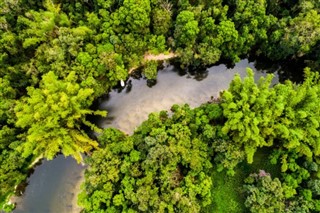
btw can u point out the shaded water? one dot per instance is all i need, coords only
(54, 185)
(126, 110)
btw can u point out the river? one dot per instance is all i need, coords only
(54, 185)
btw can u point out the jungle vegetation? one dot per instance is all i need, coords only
(171, 163)
(57, 57)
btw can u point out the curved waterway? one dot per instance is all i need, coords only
(126, 110)
(54, 185)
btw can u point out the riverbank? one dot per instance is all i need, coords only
(152, 57)
(53, 187)
(75, 208)
(11, 199)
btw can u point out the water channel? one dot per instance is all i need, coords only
(54, 185)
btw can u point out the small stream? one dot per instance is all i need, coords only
(54, 185)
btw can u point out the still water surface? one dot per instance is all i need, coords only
(54, 185)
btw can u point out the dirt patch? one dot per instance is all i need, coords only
(151, 57)
(160, 57)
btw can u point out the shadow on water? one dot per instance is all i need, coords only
(129, 86)
(199, 75)
(173, 85)
(151, 82)
(291, 69)
(286, 70)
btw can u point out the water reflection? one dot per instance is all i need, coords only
(128, 110)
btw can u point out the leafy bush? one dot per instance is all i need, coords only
(150, 69)
(264, 194)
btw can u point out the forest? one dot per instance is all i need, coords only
(57, 57)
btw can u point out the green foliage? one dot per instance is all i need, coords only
(133, 16)
(264, 194)
(52, 115)
(296, 36)
(12, 169)
(257, 115)
(244, 106)
(162, 167)
(56, 57)
(38, 37)
(227, 193)
(250, 116)
(299, 180)
(228, 155)
(11, 172)
(150, 70)
(7, 96)
(161, 21)
(252, 23)
(186, 29)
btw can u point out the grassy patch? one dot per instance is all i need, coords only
(227, 193)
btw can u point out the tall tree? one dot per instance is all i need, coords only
(53, 115)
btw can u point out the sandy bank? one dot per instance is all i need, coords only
(151, 57)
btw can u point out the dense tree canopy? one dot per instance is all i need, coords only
(57, 57)
(249, 116)
(258, 115)
(163, 167)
